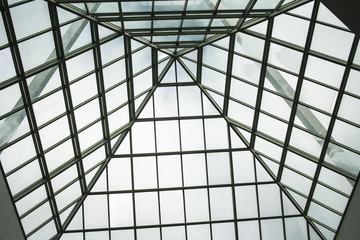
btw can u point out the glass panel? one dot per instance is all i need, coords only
(112, 49)
(290, 29)
(266, 4)
(173, 233)
(216, 133)
(145, 174)
(191, 135)
(324, 216)
(189, 101)
(142, 59)
(223, 231)
(324, 71)
(284, 57)
(196, 205)
(17, 154)
(6, 65)
(246, 202)
(195, 232)
(30, 200)
(87, 114)
(246, 69)
(213, 79)
(269, 200)
(221, 204)
(170, 174)
(49, 107)
(27, 23)
(143, 137)
(194, 170)
(167, 136)
(80, 65)
(215, 57)
(326, 40)
(249, 230)
(119, 174)
(272, 229)
(347, 134)
(165, 102)
(24, 177)
(330, 198)
(243, 165)
(353, 83)
(10, 98)
(243, 92)
(147, 208)
(69, 195)
(218, 168)
(38, 50)
(139, 6)
(121, 210)
(36, 218)
(348, 104)
(171, 207)
(96, 211)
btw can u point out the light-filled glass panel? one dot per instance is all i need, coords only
(119, 174)
(194, 168)
(290, 29)
(272, 229)
(218, 168)
(143, 137)
(170, 174)
(171, 207)
(96, 211)
(6, 65)
(221, 204)
(246, 202)
(145, 175)
(269, 200)
(165, 102)
(167, 136)
(196, 205)
(223, 231)
(189, 101)
(24, 177)
(191, 135)
(121, 210)
(26, 22)
(326, 40)
(146, 208)
(38, 50)
(249, 230)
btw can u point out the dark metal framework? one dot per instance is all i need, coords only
(91, 163)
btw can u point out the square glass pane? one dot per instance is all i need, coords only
(196, 205)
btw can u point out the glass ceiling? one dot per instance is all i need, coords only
(184, 119)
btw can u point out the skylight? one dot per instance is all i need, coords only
(186, 119)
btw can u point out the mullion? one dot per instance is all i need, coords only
(261, 82)
(101, 87)
(298, 88)
(233, 189)
(8, 24)
(228, 74)
(129, 77)
(180, 148)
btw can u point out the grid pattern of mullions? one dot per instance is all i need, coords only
(152, 13)
(257, 157)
